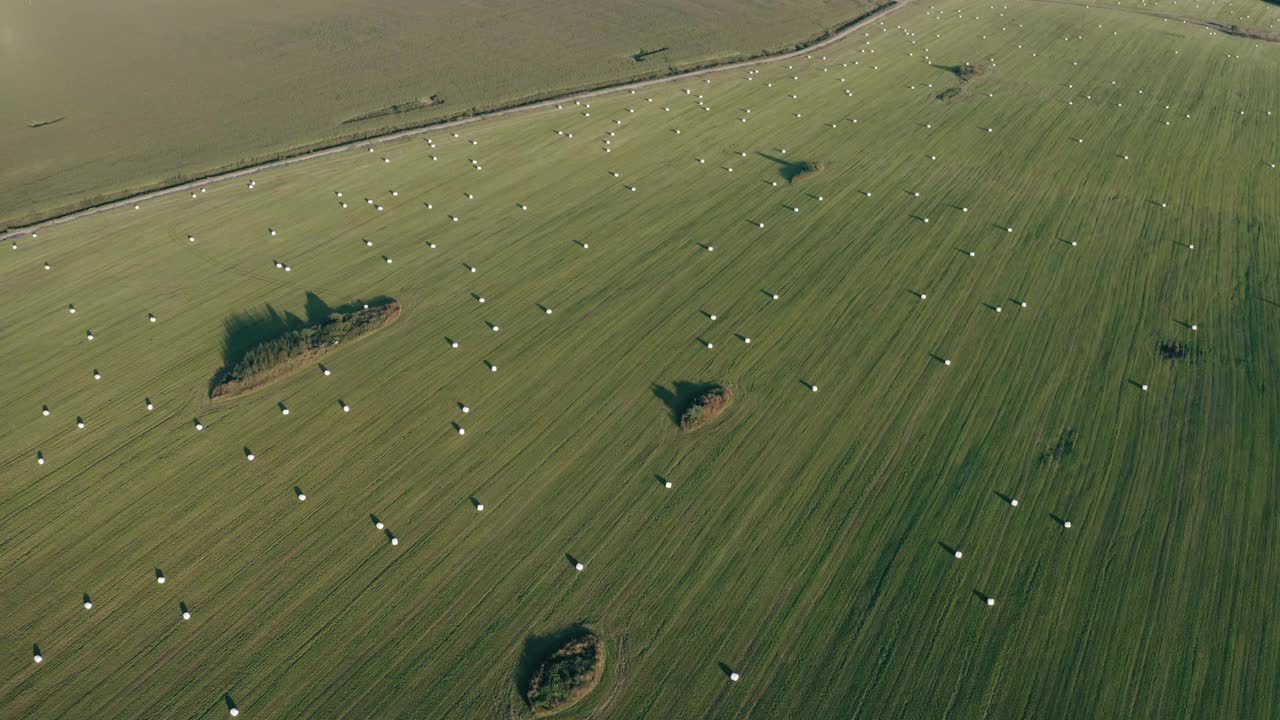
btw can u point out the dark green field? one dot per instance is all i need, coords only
(149, 92)
(807, 540)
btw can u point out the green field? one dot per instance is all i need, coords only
(806, 540)
(146, 93)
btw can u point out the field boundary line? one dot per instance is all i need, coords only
(844, 31)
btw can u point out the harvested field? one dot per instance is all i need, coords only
(963, 311)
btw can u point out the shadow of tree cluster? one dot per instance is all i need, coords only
(681, 396)
(793, 170)
(246, 330)
(965, 72)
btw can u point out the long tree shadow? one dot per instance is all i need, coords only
(317, 310)
(643, 54)
(681, 395)
(537, 648)
(792, 170)
(964, 72)
(246, 330)
(956, 70)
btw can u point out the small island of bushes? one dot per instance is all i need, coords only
(567, 675)
(706, 407)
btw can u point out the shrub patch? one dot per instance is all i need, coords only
(280, 356)
(706, 408)
(567, 675)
